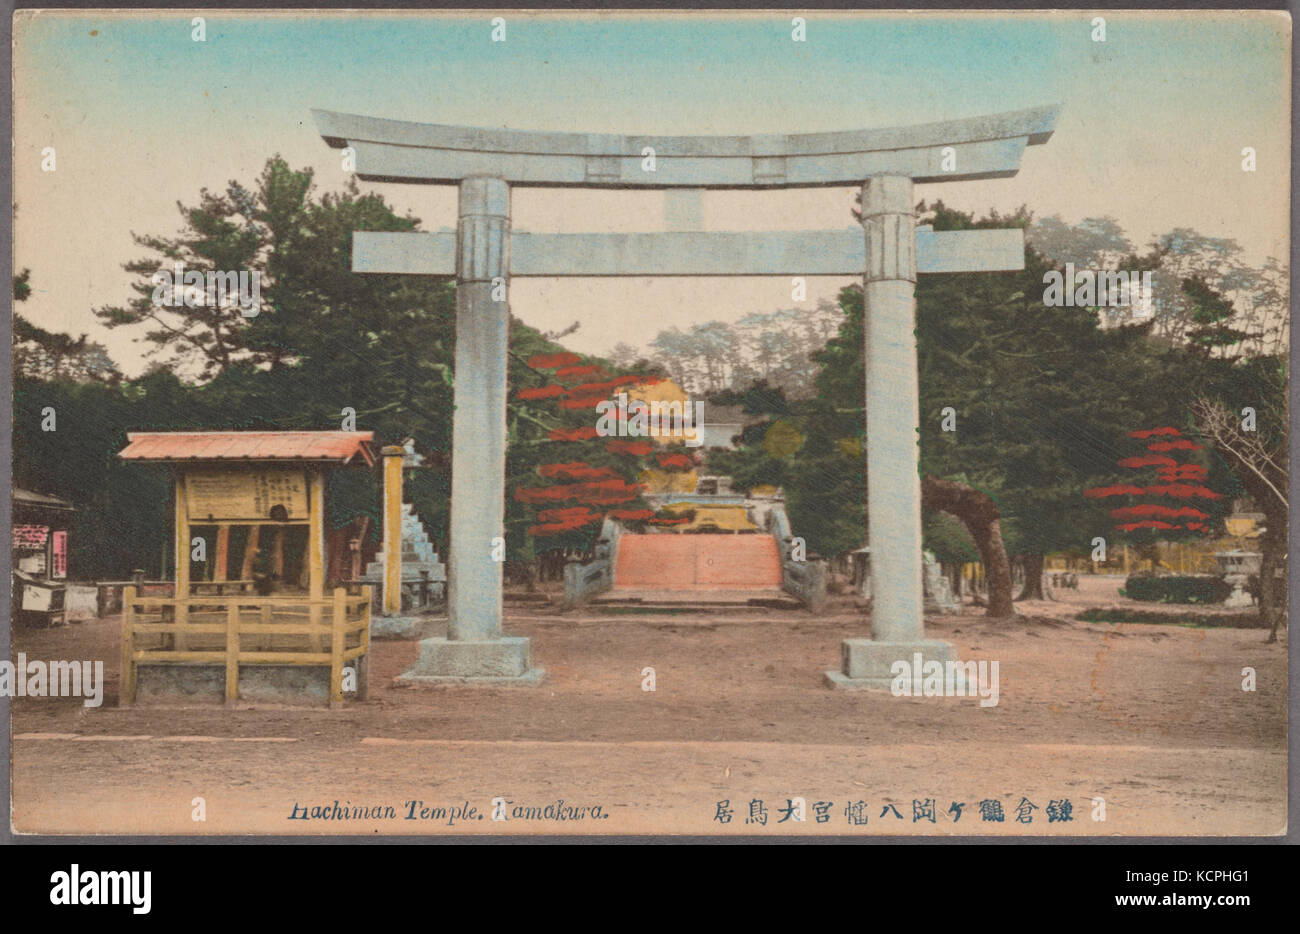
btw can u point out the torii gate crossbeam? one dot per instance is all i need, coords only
(484, 253)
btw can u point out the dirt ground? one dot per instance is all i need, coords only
(1151, 718)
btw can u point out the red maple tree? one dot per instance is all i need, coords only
(1178, 481)
(590, 489)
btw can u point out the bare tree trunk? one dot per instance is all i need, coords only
(981, 517)
(1033, 589)
(1262, 468)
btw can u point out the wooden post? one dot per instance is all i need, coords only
(126, 692)
(363, 661)
(232, 653)
(365, 630)
(277, 553)
(264, 639)
(336, 646)
(392, 530)
(219, 567)
(354, 547)
(316, 551)
(182, 563)
(250, 552)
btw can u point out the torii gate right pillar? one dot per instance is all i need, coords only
(893, 437)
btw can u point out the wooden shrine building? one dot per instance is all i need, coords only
(257, 601)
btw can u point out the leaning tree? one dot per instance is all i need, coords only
(1255, 445)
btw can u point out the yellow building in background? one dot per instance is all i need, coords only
(654, 480)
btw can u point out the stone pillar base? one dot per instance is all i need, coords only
(396, 627)
(867, 662)
(504, 661)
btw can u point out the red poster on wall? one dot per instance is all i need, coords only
(59, 552)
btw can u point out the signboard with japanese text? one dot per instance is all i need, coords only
(30, 537)
(232, 495)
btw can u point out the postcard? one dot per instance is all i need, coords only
(545, 423)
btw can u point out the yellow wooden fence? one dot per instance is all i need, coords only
(243, 629)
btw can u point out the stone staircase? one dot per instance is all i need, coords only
(418, 559)
(704, 573)
(712, 571)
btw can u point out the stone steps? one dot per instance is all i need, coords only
(699, 563)
(701, 601)
(419, 559)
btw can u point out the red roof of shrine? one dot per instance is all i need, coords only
(337, 446)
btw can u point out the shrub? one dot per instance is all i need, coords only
(1177, 589)
(1173, 618)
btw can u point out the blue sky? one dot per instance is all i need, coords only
(142, 116)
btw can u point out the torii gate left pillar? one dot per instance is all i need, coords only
(474, 650)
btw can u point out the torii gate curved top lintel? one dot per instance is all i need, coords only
(988, 146)
(484, 253)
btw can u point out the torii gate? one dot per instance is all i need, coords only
(484, 253)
